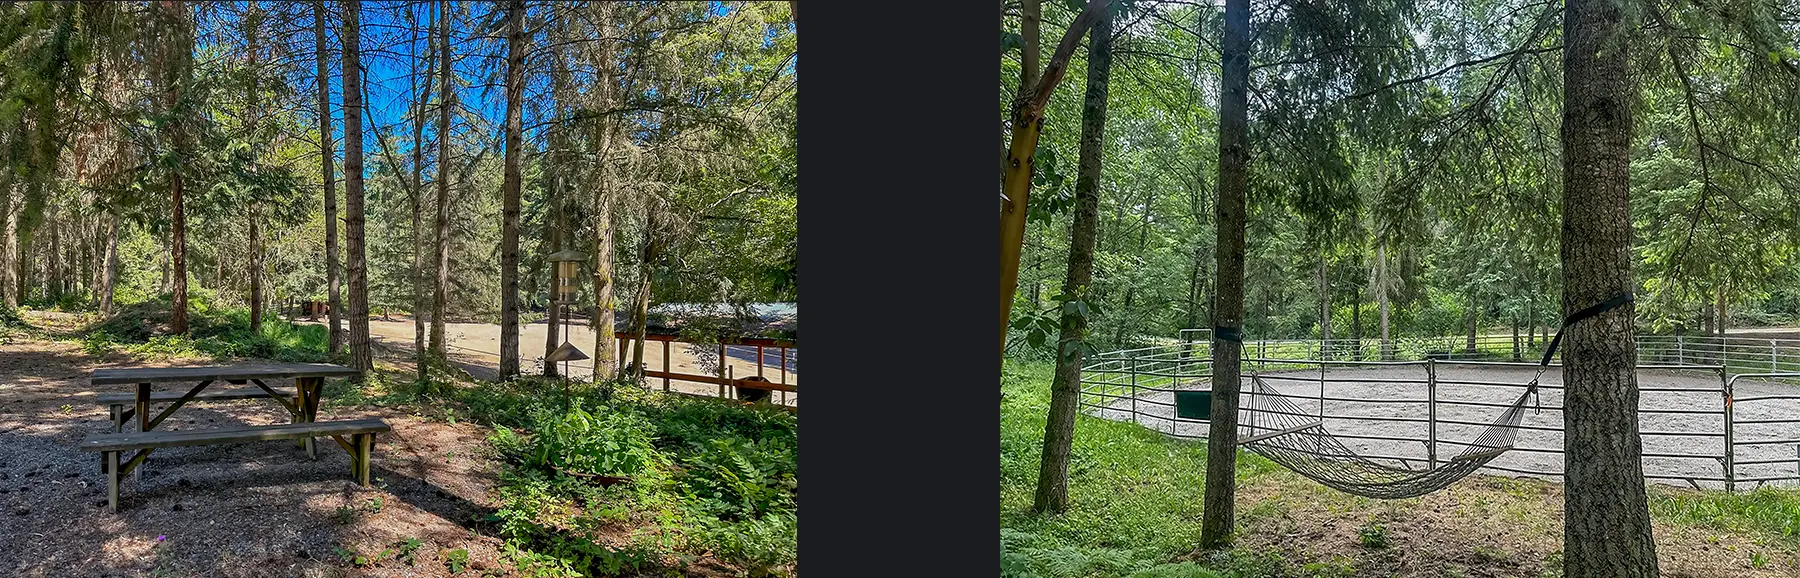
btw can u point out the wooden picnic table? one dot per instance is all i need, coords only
(308, 378)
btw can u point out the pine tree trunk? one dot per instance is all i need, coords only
(360, 356)
(334, 305)
(606, 362)
(1381, 300)
(440, 286)
(1720, 316)
(1065, 392)
(509, 191)
(9, 250)
(650, 251)
(179, 50)
(553, 240)
(1228, 309)
(256, 269)
(1474, 324)
(109, 269)
(1531, 323)
(53, 270)
(1606, 526)
(1324, 310)
(419, 300)
(1516, 355)
(253, 21)
(1195, 274)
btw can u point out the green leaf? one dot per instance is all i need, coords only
(1010, 41)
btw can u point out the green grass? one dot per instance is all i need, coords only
(214, 333)
(1135, 495)
(1136, 502)
(1771, 512)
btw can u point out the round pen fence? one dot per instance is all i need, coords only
(1713, 413)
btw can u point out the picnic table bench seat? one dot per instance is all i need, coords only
(361, 431)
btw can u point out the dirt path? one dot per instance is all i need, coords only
(258, 509)
(476, 348)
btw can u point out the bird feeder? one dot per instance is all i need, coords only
(568, 266)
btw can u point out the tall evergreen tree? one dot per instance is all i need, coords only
(1606, 522)
(509, 189)
(361, 357)
(327, 150)
(1228, 304)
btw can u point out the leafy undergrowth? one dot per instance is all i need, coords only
(624, 481)
(1136, 504)
(142, 330)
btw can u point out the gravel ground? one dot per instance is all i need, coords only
(259, 509)
(1681, 449)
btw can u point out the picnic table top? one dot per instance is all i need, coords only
(120, 375)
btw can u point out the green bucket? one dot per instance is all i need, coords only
(1193, 404)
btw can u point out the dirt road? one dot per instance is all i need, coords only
(476, 347)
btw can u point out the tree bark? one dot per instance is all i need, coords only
(1031, 18)
(1228, 309)
(1028, 124)
(1720, 317)
(1381, 300)
(1324, 310)
(1474, 324)
(1606, 525)
(1065, 391)
(9, 251)
(252, 22)
(509, 190)
(419, 300)
(441, 284)
(334, 305)
(650, 253)
(360, 357)
(177, 75)
(53, 271)
(109, 269)
(606, 362)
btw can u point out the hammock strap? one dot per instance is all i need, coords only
(1577, 317)
(1232, 334)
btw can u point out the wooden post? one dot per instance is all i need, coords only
(143, 415)
(309, 409)
(784, 374)
(118, 424)
(143, 407)
(364, 446)
(724, 368)
(759, 359)
(665, 366)
(112, 481)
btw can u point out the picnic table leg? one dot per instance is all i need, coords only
(309, 397)
(143, 416)
(111, 466)
(363, 446)
(299, 407)
(118, 423)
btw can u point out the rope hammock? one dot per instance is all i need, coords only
(1299, 442)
